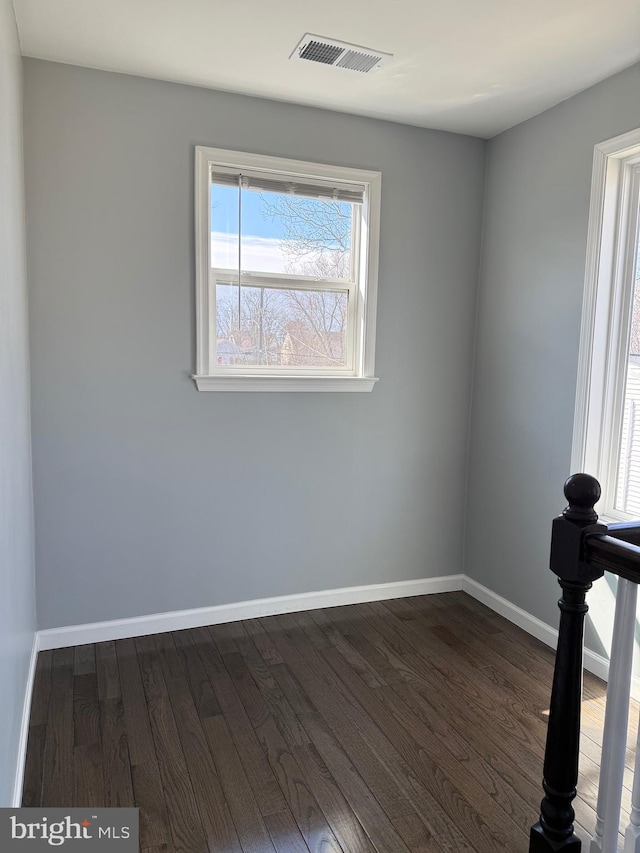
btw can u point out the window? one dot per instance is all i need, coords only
(286, 274)
(607, 425)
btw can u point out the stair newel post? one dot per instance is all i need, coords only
(554, 832)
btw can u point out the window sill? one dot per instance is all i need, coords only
(284, 383)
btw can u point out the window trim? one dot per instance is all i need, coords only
(360, 376)
(606, 315)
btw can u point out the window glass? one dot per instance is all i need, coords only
(281, 233)
(281, 327)
(628, 480)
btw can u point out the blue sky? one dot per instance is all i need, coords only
(224, 214)
(264, 245)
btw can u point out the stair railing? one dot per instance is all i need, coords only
(582, 549)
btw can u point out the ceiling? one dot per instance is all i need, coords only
(472, 66)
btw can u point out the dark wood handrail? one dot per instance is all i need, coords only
(613, 554)
(582, 549)
(628, 531)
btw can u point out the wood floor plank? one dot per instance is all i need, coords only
(418, 788)
(519, 647)
(263, 642)
(57, 771)
(434, 732)
(307, 622)
(459, 794)
(107, 669)
(435, 716)
(365, 805)
(149, 798)
(88, 777)
(509, 756)
(435, 662)
(169, 658)
(136, 713)
(340, 816)
(214, 811)
(252, 831)
(391, 796)
(416, 835)
(481, 652)
(496, 766)
(303, 804)
(86, 709)
(41, 689)
(118, 786)
(184, 819)
(84, 659)
(335, 807)
(343, 774)
(285, 834)
(499, 786)
(34, 767)
(276, 702)
(263, 782)
(436, 691)
(335, 639)
(224, 636)
(202, 691)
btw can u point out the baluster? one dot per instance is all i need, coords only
(616, 720)
(554, 833)
(632, 834)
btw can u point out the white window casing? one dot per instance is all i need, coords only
(362, 189)
(612, 246)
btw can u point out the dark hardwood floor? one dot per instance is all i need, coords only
(410, 725)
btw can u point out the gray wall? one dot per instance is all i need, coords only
(151, 496)
(17, 595)
(530, 303)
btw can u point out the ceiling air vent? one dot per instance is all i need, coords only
(339, 54)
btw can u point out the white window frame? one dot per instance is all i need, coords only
(359, 372)
(606, 315)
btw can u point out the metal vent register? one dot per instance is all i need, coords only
(339, 54)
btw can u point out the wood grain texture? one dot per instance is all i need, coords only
(408, 726)
(57, 769)
(88, 776)
(136, 713)
(149, 797)
(86, 710)
(116, 767)
(34, 769)
(107, 669)
(41, 690)
(184, 819)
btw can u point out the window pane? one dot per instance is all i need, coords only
(285, 233)
(281, 327)
(628, 491)
(224, 227)
(281, 233)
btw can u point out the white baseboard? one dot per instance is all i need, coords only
(158, 623)
(593, 662)
(24, 724)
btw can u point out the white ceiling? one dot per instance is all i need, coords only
(473, 66)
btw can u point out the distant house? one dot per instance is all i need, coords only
(227, 351)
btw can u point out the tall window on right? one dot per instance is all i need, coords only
(607, 424)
